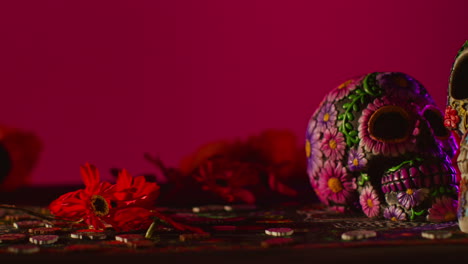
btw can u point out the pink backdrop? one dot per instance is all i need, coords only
(106, 81)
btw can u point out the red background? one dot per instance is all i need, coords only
(105, 81)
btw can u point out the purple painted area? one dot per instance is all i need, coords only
(105, 81)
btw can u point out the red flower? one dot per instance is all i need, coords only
(137, 191)
(91, 205)
(135, 197)
(127, 205)
(451, 118)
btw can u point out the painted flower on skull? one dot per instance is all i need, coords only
(313, 152)
(326, 117)
(377, 144)
(444, 209)
(394, 213)
(370, 202)
(356, 159)
(333, 144)
(343, 89)
(336, 184)
(411, 198)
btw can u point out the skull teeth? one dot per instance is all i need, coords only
(418, 177)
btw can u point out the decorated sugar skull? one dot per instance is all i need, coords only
(377, 144)
(456, 112)
(456, 119)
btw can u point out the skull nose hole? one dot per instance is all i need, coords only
(458, 86)
(436, 122)
(390, 124)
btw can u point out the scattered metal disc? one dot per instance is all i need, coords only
(281, 231)
(436, 234)
(44, 239)
(358, 234)
(8, 238)
(88, 235)
(129, 237)
(44, 230)
(23, 249)
(28, 224)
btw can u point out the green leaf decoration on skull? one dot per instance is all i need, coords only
(358, 98)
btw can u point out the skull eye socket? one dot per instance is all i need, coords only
(459, 78)
(436, 121)
(390, 124)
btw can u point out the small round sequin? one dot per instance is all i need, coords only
(358, 234)
(44, 239)
(281, 231)
(436, 234)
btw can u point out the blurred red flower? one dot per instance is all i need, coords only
(229, 179)
(260, 169)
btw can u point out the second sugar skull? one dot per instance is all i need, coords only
(377, 143)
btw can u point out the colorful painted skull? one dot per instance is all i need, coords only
(377, 143)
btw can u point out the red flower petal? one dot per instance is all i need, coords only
(135, 191)
(124, 180)
(69, 206)
(133, 218)
(91, 178)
